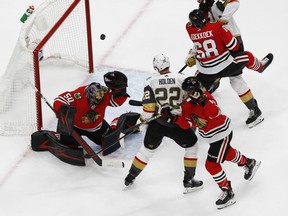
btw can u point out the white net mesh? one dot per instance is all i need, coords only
(67, 44)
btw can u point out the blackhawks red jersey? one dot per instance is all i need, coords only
(212, 125)
(212, 44)
(87, 118)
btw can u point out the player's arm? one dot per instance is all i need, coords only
(64, 98)
(229, 40)
(211, 108)
(149, 103)
(230, 9)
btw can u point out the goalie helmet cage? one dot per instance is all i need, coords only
(57, 31)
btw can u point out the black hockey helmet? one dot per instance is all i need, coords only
(191, 84)
(115, 80)
(197, 18)
(94, 93)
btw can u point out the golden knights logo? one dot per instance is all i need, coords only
(89, 117)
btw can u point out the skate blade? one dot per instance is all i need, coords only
(191, 190)
(258, 163)
(256, 122)
(127, 187)
(229, 203)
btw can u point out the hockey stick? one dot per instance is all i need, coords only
(183, 68)
(81, 141)
(130, 131)
(43, 98)
(216, 81)
(135, 102)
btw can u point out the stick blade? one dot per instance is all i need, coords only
(113, 163)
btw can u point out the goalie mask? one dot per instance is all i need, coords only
(94, 93)
(197, 18)
(161, 62)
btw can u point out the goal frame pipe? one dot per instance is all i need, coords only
(43, 42)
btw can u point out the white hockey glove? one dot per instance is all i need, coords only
(142, 127)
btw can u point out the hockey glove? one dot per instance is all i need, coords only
(224, 21)
(198, 97)
(190, 59)
(167, 115)
(190, 62)
(221, 4)
(205, 5)
(142, 127)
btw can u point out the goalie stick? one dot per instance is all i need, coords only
(82, 142)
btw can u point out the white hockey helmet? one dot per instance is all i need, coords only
(161, 62)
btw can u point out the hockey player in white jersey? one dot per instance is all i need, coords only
(162, 93)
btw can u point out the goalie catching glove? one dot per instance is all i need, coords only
(117, 82)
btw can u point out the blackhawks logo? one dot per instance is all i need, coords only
(199, 122)
(77, 96)
(90, 117)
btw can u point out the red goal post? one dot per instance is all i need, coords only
(57, 31)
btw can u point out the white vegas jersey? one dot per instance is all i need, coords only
(164, 89)
(227, 14)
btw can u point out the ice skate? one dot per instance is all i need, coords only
(255, 117)
(266, 61)
(191, 184)
(251, 168)
(226, 198)
(129, 180)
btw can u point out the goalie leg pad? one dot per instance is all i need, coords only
(109, 140)
(66, 119)
(47, 141)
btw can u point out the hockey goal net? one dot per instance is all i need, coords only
(59, 32)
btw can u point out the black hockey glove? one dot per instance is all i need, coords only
(115, 80)
(198, 97)
(167, 115)
(206, 5)
(220, 6)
